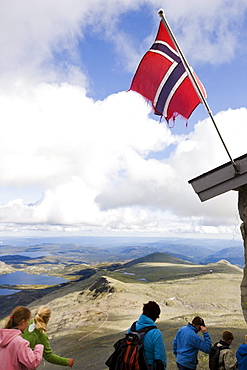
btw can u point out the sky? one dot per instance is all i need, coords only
(82, 155)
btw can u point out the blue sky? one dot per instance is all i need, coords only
(79, 154)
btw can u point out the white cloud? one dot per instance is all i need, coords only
(208, 31)
(90, 160)
(33, 33)
(93, 162)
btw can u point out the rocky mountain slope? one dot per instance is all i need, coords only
(90, 315)
(5, 269)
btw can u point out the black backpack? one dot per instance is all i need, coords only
(214, 356)
(129, 352)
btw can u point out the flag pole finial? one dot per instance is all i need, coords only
(161, 12)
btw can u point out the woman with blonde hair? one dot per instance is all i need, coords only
(36, 333)
(15, 352)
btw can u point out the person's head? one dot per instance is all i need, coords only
(19, 318)
(151, 310)
(42, 317)
(227, 336)
(198, 322)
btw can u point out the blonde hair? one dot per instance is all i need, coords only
(41, 318)
(17, 315)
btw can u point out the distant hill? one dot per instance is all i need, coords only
(164, 267)
(233, 255)
(117, 249)
(9, 258)
(183, 251)
(156, 257)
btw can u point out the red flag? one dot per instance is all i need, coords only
(162, 79)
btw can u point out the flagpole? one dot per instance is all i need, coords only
(196, 84)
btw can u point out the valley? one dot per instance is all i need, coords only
(101, 299)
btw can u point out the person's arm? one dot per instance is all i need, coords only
(202, 344)
(174, 346)
(49, 356)
(238, 356)
(28, 357)
(159, 350)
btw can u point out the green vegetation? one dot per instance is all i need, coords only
(162, 267)
(157, 257)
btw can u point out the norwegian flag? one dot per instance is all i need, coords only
(162, 79)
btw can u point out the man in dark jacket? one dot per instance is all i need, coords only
(187, 343)
(227, 359)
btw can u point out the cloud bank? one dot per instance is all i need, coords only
(76, 164)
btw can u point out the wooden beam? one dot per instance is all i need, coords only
(221, 179)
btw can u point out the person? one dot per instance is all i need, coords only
(187, 343)
(36, 333)
(227, 359)
(15, 352)
(241, 355)
(153, 343)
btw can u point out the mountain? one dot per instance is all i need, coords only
(14, 258)
(156, 257)
(234, 255)
(90, 315)
(161, 266)
(96, 249)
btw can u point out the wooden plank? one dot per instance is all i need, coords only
(231, 184)
(220, 179)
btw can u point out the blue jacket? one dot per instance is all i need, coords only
(187, 343)
(241, 355)
(153, 343)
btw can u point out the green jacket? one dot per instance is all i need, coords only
(34, 336)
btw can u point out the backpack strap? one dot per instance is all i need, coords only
(133, 326)
(144, 330)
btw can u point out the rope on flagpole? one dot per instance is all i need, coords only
(196, 85)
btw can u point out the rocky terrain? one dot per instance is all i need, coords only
(90, 315)
(5, 269)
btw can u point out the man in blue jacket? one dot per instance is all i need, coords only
(153, 343)
(242, 355)
(187, 343)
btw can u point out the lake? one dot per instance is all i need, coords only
(27, 254)
(22, 278)
(8, 291)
